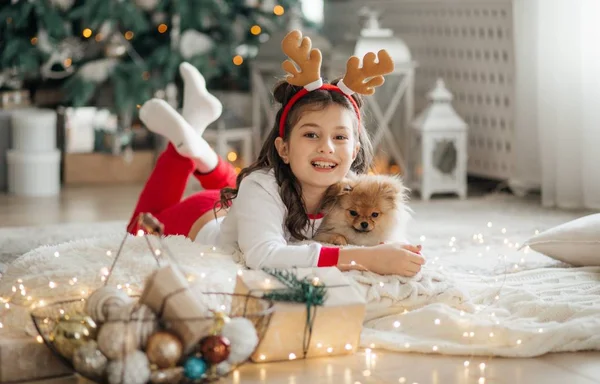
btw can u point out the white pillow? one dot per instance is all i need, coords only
(576, 242)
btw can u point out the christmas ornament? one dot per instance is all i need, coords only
(164, 349)
(142, 320)
(194, 43)
(62, 55)
(146, 5)
(71, 332)
(132, 369)
(116, 46)
(214, 349)
(223, 368)
(63, 5)
(104, 300)
(89, 361)
(167, 376)
(117, 339)
(243, 338)
(194, 368)
(97, 71)
(9, 77)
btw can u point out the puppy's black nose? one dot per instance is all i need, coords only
(364, 224)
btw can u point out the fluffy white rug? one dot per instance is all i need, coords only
(445, 309)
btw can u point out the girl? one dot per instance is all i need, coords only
(317, 139)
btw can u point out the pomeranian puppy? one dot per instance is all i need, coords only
(364, 210)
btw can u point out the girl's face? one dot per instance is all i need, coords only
(321, 147)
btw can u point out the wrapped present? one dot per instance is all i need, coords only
(168, 293)
(317, 312)
(23, 358)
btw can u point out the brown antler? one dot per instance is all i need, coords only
(355, 77)
(299, 50)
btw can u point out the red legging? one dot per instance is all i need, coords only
(164, 189)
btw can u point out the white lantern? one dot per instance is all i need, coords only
(438, 161)
(395, 93)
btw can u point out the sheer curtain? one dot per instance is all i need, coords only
(557, 123)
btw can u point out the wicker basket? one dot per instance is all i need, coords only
(46, 320)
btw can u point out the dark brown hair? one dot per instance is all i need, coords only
(289, 187)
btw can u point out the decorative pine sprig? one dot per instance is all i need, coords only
(298, 291)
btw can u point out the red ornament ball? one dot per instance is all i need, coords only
(215, 349)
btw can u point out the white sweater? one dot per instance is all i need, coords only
(254, 229)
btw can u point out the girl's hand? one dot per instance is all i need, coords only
(396, 259)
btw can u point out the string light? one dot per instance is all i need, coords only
(255, 30)
(232, 156)
(162, 28)
(56, 254)
(278, 10)
(466, 363)
(238, 60)
(87, 33)
(128, 35)
(34, 40)
(292, 356)
(396, 324)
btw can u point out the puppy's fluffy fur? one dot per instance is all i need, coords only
(364, 210)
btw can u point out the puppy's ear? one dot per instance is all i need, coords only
(334, 192)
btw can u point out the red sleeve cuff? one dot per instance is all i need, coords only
(328, 257)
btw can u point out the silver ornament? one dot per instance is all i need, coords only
(89, 361)
(104, 300)
(167, 376)
(132, 369)
(117, 339)
(115, 47)
(141, 319)
(147, 5)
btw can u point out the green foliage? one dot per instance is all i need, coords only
(299, 290)
(226, 22)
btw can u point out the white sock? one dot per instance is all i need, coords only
(200, 108)
(161, 118)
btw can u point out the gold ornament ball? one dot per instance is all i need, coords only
(71, 332)
(164, 349)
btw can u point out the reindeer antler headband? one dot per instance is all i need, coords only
(362, 80)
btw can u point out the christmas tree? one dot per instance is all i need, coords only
(134, 47)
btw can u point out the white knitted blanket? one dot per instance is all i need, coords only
(527, 313)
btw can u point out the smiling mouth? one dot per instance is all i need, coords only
(361, 230)
(323, 164)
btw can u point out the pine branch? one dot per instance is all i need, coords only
(299, 290)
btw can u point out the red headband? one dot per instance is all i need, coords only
(303, 92)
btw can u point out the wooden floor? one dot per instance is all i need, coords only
(116, 203)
